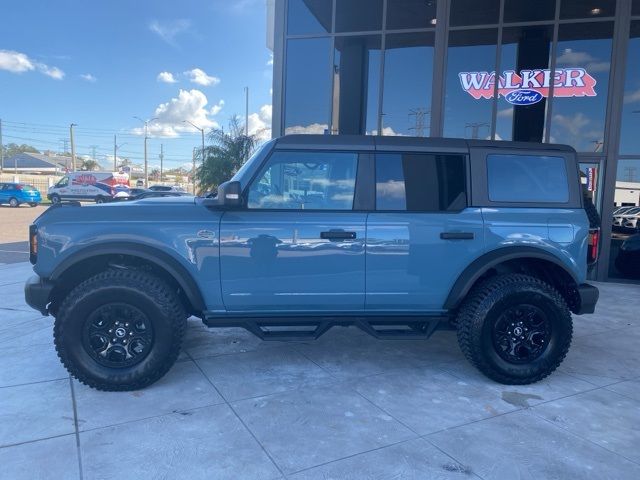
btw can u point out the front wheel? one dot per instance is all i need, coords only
(33, 204)
(120, 330)
(100, 199)
(516, 329)
(55, 199)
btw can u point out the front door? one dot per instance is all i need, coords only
(422, 234)
(298, 245)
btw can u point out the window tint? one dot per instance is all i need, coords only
(306, 180)
(420, 182)
(527, 178)
(308, 17)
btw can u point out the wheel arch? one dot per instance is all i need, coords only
(95, 258)
(529, 260)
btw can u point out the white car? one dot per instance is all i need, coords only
(620, 221)
(97, 186)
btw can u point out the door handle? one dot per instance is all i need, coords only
(457, 236)
(337, 235)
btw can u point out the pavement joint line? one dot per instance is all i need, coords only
(23, 335)
(266, 452)
(35, 440)
(473, 472)
(573, 434)
(33, 383)
(575, 375)
(75, 424)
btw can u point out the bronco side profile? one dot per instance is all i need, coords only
(397, 236)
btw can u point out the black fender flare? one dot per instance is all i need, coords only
(482, 264)
(149, 253)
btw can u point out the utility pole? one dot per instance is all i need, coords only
(193, 171)
(246, 111)
(65, 145)
(73, 147)
(115, 152)
(419, 113)
(475, 128)
(1, 150)
(161, 160)
(146, 137)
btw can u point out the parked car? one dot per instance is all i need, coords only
(630, 222)
(15, 194)
(135, 191)
(622, 210)
(100, 187)
(166, 188)
(490, 239)
(628, 259)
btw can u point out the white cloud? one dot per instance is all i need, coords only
(199, 76)
(169, 30)
(166, 77)
(189, 105)
(574, 124)
(573, 58)
(217, 107)
(17, 62)
(506, 112)
(633, 96)
(88, 77)
(270, 61)
(318, 128)
(260, 123)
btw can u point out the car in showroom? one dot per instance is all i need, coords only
(16, 194)
(628, 259)
(397, 236)
(629, 217)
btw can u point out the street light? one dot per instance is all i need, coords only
(146, 136)
(201, 130)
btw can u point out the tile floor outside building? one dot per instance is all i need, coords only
(346, 406)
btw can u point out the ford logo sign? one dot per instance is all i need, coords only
(523, 97)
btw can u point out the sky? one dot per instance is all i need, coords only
(100, 63)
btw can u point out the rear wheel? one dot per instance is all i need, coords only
(516, 329)
(120, 330)
(13, 202)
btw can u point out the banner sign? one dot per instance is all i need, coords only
(591, 179)
(530, 86)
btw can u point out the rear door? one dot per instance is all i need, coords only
(422, 234)
(299, 244)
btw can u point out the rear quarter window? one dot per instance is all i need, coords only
(527, 178)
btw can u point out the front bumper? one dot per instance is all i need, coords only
(37, 292)
(588, 298)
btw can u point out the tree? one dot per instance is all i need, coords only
(154, 174)
(88, 164)
(12, 149)
(224, 156)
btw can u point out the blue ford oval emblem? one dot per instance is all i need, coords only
(523, 96)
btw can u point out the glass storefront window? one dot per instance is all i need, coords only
(308, 85)
(584, 9)
(625, 236)
(356, 84)
(635, 7)
(581, 85)
(519, 11)
(308, 17)
(474, 12)
(408, 75)
(471, 58)
(528, 49)
(629, 138)
(403, 14)
(358, 15)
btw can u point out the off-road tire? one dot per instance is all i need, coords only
(14, 203)
(483, 307)
(144, 291)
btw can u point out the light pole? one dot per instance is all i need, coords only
(146, 137)
(201, 130)
(115, 153)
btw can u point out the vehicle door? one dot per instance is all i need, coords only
(3, 193)
(298, 243)
(422, 234)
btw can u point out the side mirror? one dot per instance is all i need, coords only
(229, 194)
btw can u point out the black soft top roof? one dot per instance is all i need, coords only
(371, 142)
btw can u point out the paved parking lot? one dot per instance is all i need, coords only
(344, 406)
(14, 234)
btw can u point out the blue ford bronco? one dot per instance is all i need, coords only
(397, 236)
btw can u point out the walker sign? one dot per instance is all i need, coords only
(530, 86)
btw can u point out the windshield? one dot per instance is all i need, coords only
(239, 175)
(28, 188)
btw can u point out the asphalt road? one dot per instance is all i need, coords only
(14, 232)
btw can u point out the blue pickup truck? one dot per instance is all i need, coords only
(397, 236)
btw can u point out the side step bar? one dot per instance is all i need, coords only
(290, 328)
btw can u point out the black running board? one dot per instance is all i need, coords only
(311, 328)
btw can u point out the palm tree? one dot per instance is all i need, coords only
(225, 155)
(89, 164)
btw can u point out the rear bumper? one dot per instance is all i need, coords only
(37, 292)
(588, 298)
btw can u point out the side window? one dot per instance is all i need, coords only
(306, 180)
(527, 178)
(64, 181)
(420, 182)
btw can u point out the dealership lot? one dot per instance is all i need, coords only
(14, 232)
(344, 406)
